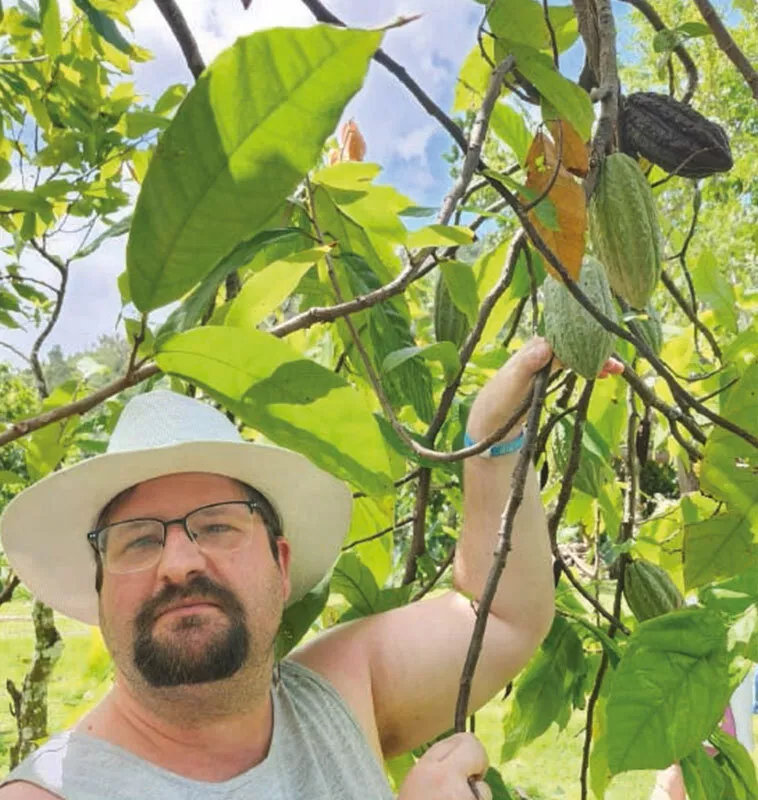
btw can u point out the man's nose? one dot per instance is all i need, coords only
(180, 557)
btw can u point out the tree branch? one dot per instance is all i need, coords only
(418, 540)
(728, 45)
(378, 535)
(515, 497)
(183, 35)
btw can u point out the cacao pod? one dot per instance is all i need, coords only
(450, 323)
(649, 591)
(578, 340)
(624, 229)
(649, 329)
(673, 135)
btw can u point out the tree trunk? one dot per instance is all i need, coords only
(29, 705)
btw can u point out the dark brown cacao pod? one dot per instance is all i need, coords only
(673, 136)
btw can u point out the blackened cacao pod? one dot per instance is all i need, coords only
(649, 591)
(673, 135)
(624, 229)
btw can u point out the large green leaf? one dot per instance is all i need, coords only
(461, 284)
(266, 290)
(293, 401)
(570, 101)
(248, 131)
(444, 352)
(50, 15)
(717, 548)
(730, 464)
(410, 383)
(299, 617)
(737, 765)
(523, 22)
(507, 124)
(544, 690)
(105, 26)
(355, 582)
(703, 778)
(669, 691)
(191, 311)
(715, 290)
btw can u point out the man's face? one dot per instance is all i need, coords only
(193, 617)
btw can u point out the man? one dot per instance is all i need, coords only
(187, 572)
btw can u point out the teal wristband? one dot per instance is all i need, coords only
(500, 449)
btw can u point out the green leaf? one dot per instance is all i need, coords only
(665, 41)
(669, 691)
(729, 468)
(444, 352)
(544, 210)
(543, 691)
(356, 175)
(117, 229)
(702, 777)
(298, 618)
(354, 581)
(734, 595)
(374, 208)
(523, 22)
(389, 330)
(461, 283)
(293, 401)
(418, 212)
(718, 548)
(6, 476)
(693, 30)
(737, 764)
(139, 123)
(50, 15)
(266, 290)
(570, 101)
(473, 77)
(105, 26)
(18, 200)
(236, 148)
(170, 99)
(594, 470)
(713, 288)
(439, 236)
(509, 126)
(494, 780)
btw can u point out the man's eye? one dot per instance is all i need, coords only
(143, 543)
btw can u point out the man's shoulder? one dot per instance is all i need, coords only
(21, 790)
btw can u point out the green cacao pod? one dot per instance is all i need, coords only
(649, 329)
(673, 135)
(649, 591)
(450, 323)
(624, 229)
(577, 338)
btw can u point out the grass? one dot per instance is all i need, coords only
(545, 770)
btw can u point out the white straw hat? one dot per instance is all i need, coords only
(44, 529)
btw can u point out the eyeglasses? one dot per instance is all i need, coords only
(137, 544)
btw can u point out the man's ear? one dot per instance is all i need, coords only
(285, 553)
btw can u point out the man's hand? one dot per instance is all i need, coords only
(443, 772)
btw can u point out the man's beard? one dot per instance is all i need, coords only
(164, 664)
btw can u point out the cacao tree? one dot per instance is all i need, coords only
(331, 314)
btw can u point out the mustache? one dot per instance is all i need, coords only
(201, 587)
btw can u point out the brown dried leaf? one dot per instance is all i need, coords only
(575, 151)
(567, 195)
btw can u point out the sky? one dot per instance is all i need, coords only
(400, 135)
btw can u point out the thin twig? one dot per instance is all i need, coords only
(401, 523)
(614, 619)
(6, 594)
(690, 313)
(435, 578)
(515, 497)
(684, 57)
(728, 45)
(572, 465)
(551, 32)
(16, 352)
(418, 538)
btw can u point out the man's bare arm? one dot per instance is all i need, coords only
(21, 790)
(414, 655)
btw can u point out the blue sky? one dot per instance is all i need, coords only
(400, 135)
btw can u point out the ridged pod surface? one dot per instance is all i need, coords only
(649, 329)
(578, 340)
(673, 135)
(450, 323)
(649, 591)
(624, 229)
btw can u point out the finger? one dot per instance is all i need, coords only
(465, 754)
(613, 367)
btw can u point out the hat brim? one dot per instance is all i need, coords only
(43, 529)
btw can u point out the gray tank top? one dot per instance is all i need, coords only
(318, 752)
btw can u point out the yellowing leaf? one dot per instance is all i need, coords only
(575, 155)
(567, 195)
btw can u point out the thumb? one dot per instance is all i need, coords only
(532, 357)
